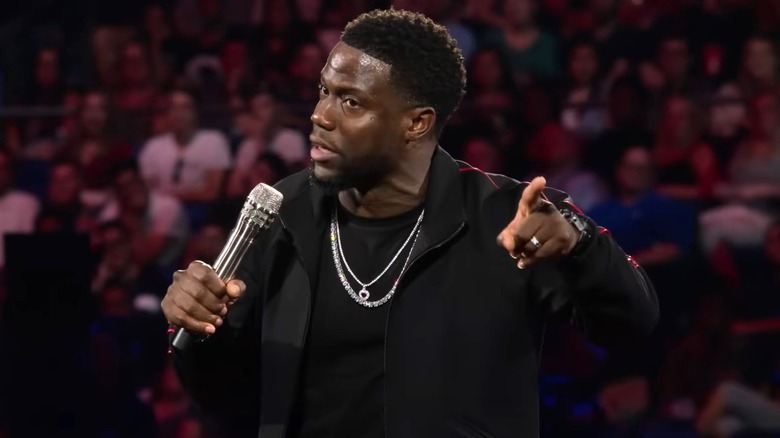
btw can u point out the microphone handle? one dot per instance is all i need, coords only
(225, 267)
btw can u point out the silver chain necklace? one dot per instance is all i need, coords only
(338, 255)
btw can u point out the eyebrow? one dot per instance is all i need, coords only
(343, 89)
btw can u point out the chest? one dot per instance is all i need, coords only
(466, 290)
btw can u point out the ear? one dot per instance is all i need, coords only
(420, 123)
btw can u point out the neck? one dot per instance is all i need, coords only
(399, 193)
(184, 136)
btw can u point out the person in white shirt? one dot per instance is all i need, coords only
(18, 210)
(188, 163)
(266, 135)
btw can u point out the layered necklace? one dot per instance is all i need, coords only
(362, 296)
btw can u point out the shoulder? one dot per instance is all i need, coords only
(294, 184)
(486, 185)
(22, 200)
(210, 136)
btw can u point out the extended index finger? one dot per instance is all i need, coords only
(532, 196)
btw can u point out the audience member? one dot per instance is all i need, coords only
(529, 51)
(206, 244)
(753, 186)
(157, 223)
(118, 266)
(584, 96)
(94, 144)
(668, 224)
(64, 210)
(188, 163)
(626, 127)
(670, 73)
(759, 67)
(18, 210)
(686, 166)
(557, 155)
(302, 92)
(266, 134)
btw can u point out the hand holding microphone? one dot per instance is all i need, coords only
(200, 296)
(198, 299)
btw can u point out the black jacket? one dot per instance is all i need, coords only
(463, 332)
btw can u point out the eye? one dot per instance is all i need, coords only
(352, 103)
(323, 90)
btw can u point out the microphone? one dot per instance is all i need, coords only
(259, 210)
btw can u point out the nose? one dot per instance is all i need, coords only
(321, 117)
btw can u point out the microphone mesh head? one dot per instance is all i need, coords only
(262, 205)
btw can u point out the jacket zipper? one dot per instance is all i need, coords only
(297, 251)
(389, 310)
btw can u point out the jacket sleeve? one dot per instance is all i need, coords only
(221, 373)
(600, 289)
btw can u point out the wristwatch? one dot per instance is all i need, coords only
(584, 226)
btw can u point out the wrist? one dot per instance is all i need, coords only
(583, 227)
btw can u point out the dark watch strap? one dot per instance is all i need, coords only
(584, 226)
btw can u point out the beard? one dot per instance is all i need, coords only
(363, 175)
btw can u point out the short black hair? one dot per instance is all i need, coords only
(426, 63)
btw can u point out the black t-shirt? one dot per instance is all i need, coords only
(342, 392)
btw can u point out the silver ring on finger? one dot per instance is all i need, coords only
(535, 242)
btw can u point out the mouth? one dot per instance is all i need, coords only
(321, 151)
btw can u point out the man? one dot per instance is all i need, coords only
(188, 163)
(440, 336)
(654, 228)
(267, 136)
(64, 210)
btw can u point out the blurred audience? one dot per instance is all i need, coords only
(529, 51)
(265, 134)
(64, 211)
(188, 163)
(18, 210)
(557, 155)
(657, 231)
(156, 223)
(94, 145)
(653, 228)
(686, 167)
(145, 127)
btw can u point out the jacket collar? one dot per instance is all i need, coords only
(307, 213)
(444, 207)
